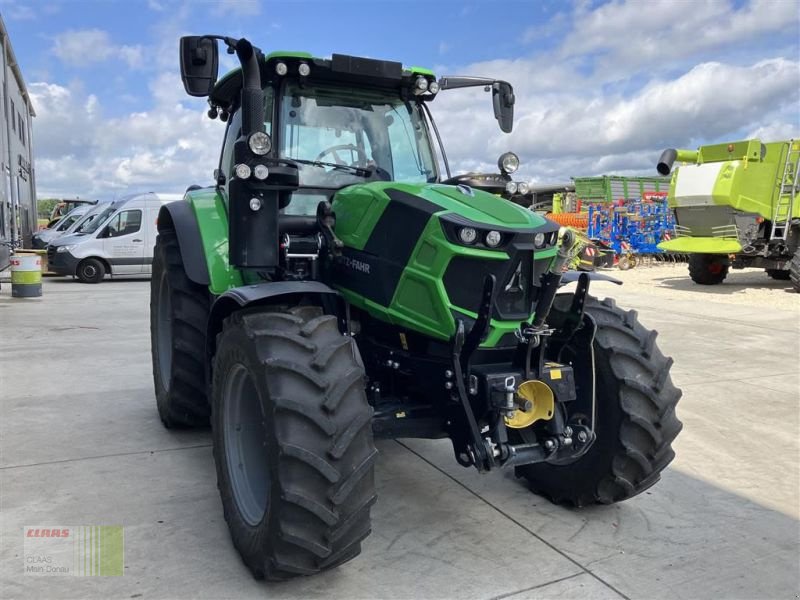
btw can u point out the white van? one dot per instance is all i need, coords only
(119, 240)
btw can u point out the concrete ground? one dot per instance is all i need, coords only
(81, 444)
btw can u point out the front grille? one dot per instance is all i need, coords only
(465, 275)
(51, 254)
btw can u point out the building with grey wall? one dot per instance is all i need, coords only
(17, 187)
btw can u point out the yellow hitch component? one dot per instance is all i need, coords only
(539, 394)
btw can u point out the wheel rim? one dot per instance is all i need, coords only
(89, 271)
(164, 341)
(715, 268)
(243, 432)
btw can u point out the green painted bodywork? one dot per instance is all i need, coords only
(702, 245)
(420, 302)
(734, 175)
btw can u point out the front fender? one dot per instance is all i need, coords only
(573, 276)
(180, 217)
(276, 292)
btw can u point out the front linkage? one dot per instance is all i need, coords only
(517, 406)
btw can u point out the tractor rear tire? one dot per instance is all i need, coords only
(707, 269)
(779, 274)
(293, 445)
(635, 422)
(179, 311)
(794, 270)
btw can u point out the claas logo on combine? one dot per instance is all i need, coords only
(51, 533)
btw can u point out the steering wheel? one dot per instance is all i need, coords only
(363, 159)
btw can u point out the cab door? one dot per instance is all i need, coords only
(124, 242)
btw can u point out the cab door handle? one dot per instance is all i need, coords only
(137, 240)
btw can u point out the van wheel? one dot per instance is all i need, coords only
(179, 311)
(91, 270)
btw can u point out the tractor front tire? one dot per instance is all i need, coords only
(293, 445)
(794, 270)
(707, 269)
(635, 417)
(179, 311)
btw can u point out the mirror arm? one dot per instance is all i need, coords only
(452, 83)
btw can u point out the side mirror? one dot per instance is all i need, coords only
(199, 64)
(503, 101)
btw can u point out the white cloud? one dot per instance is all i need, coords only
(630, 34)
(81, 151)
(558, 134)
(238, 8)
(576, 114)
(18, 12)
(85, 47)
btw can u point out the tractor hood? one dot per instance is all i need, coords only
(356, 203)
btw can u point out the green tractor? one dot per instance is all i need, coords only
(334, 286)
(736, 206)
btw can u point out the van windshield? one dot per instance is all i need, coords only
(93, 221)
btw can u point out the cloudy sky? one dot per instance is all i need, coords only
(601, 87)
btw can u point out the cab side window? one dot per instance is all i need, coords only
(125, 223)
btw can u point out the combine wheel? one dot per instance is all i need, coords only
(794, 270)
(707, 269)
(292, 441)
(636, 419)
(779, 274)
(178, 315)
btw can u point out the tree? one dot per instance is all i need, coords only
(44, 207)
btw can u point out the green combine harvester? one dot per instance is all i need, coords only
(337, 283)
(736, 205)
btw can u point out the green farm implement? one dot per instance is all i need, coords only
(736, 205)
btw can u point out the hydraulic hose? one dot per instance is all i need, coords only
(552, 278)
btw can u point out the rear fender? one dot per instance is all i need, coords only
(273, 293)
(180, 217)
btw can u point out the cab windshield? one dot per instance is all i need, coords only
(346, 135)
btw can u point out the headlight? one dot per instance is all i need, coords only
(493, 239)
(508, 162)
(433, 87)
(259, 143)
(523, 188)
(261, 172)
(511, 187)
(539, 240)
(255, 204)
(421, 85)
(281, 68)
(65, 248)
(242, 171)
(304, 70)
(467, 235)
